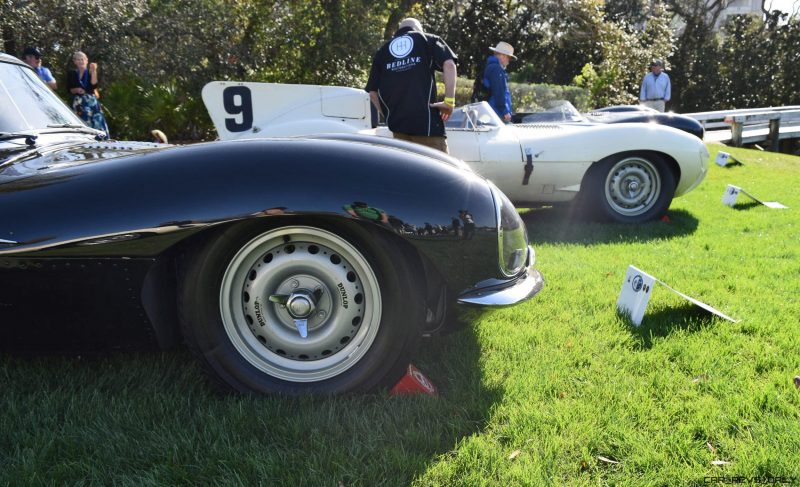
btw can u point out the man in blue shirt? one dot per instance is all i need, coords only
(656, 88)
(495, 79)
(33, 58)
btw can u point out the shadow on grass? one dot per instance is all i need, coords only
(746, 206)
(564, 224)
(661, 324)
(170, 424)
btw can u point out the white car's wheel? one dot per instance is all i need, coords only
(300, 308)
(630, 188)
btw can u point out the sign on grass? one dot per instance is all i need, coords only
(722, 158)
(635, 294)
(732, 192)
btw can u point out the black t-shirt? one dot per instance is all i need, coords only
(403, 75)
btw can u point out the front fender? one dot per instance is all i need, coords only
(581, 145)
(141, 205)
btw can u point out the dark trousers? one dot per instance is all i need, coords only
(438, 143)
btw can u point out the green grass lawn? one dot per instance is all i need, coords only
(530, 395)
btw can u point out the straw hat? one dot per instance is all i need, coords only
(504, 48)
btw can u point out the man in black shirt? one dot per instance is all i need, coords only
(402, 84)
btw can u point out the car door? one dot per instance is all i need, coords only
(503, 161)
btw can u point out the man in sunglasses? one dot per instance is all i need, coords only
(33, 58)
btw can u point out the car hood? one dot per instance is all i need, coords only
(592, 141)
(67, 153)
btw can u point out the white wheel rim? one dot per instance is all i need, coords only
(632, 186)
(295, 260)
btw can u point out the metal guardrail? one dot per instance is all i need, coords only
(751, 125)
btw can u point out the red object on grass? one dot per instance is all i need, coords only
(414, 382)
(665, 219)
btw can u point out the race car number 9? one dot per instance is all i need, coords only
(238, 101)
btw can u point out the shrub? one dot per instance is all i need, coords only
(134, 108)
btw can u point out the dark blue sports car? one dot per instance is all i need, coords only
(562, 111)
(285, 265)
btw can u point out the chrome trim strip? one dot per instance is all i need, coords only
(498, 214)
(509, 293)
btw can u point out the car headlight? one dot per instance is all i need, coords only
(512, 235)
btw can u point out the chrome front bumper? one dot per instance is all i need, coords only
(495, 292)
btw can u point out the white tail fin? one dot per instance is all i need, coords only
(255, 110)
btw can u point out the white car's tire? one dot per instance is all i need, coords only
(629, 188)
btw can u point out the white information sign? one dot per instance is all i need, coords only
(722, 158)
(732, 192)
(635, 294)
(636, 290)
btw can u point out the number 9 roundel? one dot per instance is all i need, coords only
(238, 101)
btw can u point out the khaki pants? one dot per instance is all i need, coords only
(438, 143)
(659, 105)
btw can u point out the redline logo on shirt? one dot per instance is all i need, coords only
(404, 64)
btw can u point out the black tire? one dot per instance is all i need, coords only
(365, 313)
(629, 188)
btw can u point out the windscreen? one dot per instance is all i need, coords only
(473, 117)
(26, 103)
(556, 111)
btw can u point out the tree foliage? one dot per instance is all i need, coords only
(626, 52)
(164, 51)
(763, 55)
(750, 62)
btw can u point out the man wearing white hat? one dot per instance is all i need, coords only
(495, 79)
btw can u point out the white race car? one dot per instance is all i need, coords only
(626, 172)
